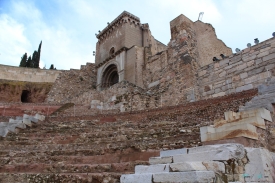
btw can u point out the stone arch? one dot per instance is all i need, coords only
(110, 76)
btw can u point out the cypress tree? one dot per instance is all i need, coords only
(52, 67)
(29, 61)
(23, 62)
(35, 62)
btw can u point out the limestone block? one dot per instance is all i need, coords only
(214, 166)
(27, 122)
(236, 150)
(136, 178)
(3, 131)
(33, 119)
(240, 130)
(173, 152)
(260, 167)
(243, 88)
(187, 166)
(260, 112)
(40, 117)
(160, 160)
(177, 177)
(255, 121)
(19, 118)
(25, 116)
(151, 168)
(269, 57)
(19, 124)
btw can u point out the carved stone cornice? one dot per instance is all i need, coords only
(120, 19)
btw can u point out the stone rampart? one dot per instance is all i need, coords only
(27, 74)
(241, 71)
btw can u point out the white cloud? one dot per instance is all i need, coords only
(13, 41)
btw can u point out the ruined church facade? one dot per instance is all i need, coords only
(127, 51)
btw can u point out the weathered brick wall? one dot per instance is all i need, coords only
(241, 71)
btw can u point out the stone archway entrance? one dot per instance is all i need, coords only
(110, 76)
(25, 96)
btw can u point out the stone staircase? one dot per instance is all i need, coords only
(19, 122)
(89, 149)
(212, 163)
(265, 98)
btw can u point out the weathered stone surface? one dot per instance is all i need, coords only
(173, 152)
(152, 168)
(177, 177)
(260, 167)
(160, 160)
(136, 178)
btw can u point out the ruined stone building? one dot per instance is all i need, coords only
(144, 111)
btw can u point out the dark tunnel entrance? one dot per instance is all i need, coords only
(25, 96)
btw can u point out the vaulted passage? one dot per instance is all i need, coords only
(25, 96)
(110, 76)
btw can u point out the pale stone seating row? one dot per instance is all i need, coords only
(265, 99)
(19, 122)
(207, 164)
(241, 124)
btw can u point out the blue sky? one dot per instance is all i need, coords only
(67, 27)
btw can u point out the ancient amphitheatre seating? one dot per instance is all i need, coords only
(89, 149)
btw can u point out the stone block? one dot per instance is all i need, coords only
(3, 131)
(187, 166)
(260, 167)
(160, 160)
(243, 75)
(219, 94)
(240, 130)
(25, 116)
(136, 178)
(262, 54)
(222, 154)
(214, 166)
(19, 118)
(40, 117)
(27, 122)
(245, 87)
(269, 57)
(177, 177)
(173, 152)
(33, 119)
(151, 168)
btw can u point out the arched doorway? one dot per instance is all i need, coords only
(110, 76)
(25, 96)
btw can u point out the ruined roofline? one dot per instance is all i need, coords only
(123, 14)
(160, 42)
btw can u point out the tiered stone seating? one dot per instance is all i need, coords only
(91, 149)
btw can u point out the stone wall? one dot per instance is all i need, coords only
(27, 74)
(73, 83)
(241, 71)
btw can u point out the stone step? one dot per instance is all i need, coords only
(59, 177)
(61, 167)
(79, 159)
(175, 177)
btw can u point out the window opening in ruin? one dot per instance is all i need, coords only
(112, 51)
(110, 76)
(25, 96)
